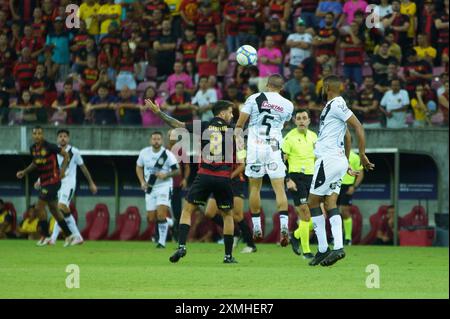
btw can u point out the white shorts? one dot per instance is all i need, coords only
(65, 193)
(264, 160)
(161, 195)
(328, 174)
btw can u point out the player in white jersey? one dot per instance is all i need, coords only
(267, 111)
(155, 168)
(332, 152)
(68, 185)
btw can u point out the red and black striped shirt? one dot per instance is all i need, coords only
(205, 24)
(24, 72)
(329, 48)
(309, 5)
(189, 49)
(231, 10)
(247, 19)
(353, 55)
(442, 33)
(45, 158)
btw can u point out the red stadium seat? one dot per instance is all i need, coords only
(293, 218)
(357, 224)
(99, 226)
(10, 207)
(87, 227)
(148, 233)
(274, 235)
(375, 222)
(417, 217)
(248, 219)
(74, 212)
(128, 225)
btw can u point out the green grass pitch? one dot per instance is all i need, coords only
(139, 270)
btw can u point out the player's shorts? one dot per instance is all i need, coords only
(328, 174)
(205, 185)
(49, 193)
(262, 160)
(303, 183)
(65, 193)
(238, 187)
(343, 198)
(160, 195)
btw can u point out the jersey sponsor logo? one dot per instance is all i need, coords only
(43, 152)
(255, 168)
(335, 185)
(272, 166)
(267, 106)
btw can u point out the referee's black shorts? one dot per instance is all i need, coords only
(344, 198)
(303, 183)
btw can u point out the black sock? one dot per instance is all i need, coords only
(228, 240)
(218, 220)
(246, 233)
(156, 231)
(258, 214)
(43, 226)
(62, 223)
(183, 232)
(283, 212)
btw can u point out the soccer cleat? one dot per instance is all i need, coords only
(333, 257)
(78, 240)
(257, 234)
(179, 253)
(51, 242)
(248, 250)
(284, 241)
(229, 260)
(347, 242)
(69, 240)
(43, 241)
(160, 246)
(319, 257)
(308, 256)
(295, 244)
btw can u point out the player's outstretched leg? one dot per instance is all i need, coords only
(71, 224)
(59, 217)
(255, 206)
(42, 224)
(336, 228)
(183, 231)
(319, 227)
(228, 231)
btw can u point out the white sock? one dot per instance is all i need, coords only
(336, 230)
(72, 224)
(56, 231)
(163, 228)
(169, 221)
(256, 223)
(321, 233)
(284, 222)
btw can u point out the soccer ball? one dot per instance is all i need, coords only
(246, 55)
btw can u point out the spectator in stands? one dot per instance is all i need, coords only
(424, 50)
(312, 66)
(126, 76)
(212, 84)
(128, 107)
(353, 47)
(280, 10)
(107, 14)
(89, 76)
(189, 45)
(349, 9)
(60, 42)
(222, 64)
(7, 89)
(23, 10)
(299, 44)
(81, 54)
(380, 63)
(233, 94)
(367, 105)
(25, 109)
(325, 40)
(8, 55)
(206, 22)
(28, 228)
(48, 11)
(441, 23)
(292, 87)
(394, 50)
(188, 12)
(149, 119)
(89, 11)
(51, 68)
(249, 13)
(204, 99)
(165, 51)
(416, 71)
(6, 222)
(306, 99)
(42, 88)
(35, 44)
(333, 6)
(395, 103)
(24, 69)
(231, 20)
(422, 102)
(277, 34)
(385, 233)
(207, 56)
(179, 76)
(68, 106)
(154, 25)
(179, 104)
(409, 9)
(269, 61)
(383, 9)
(399, 24)
(326, 71)
(426, 23)
(15, 35)
(307, 12)
(102, 107)
(392, 73)
(443, 103)
(192, 72)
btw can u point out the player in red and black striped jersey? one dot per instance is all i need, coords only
(46, 163)
(214, 172)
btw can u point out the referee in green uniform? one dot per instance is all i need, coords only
(348, 187)
(298, 147)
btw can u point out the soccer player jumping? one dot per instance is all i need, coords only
(330, 167)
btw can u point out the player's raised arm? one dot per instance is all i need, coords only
(359, 130)
(163, 116)
(347, 143)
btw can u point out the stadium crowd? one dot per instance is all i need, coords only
(97, 65)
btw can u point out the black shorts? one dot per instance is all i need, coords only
(303, 183)
(238, 188)
(343, 198)
(49, 193)
(205, 185)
